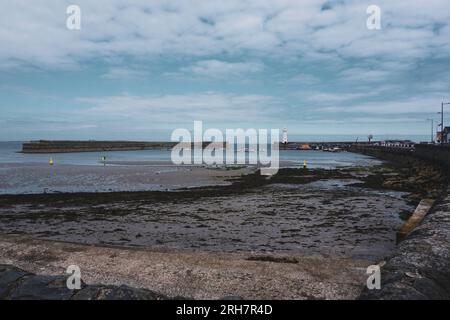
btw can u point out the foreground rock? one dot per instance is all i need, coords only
(420, 268)
(17, 284)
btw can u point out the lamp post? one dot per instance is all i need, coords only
(437, 129)
(432, 128)
(442, 121)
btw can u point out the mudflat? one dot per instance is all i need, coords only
(299, 234)
(296, 211)
(35, 178)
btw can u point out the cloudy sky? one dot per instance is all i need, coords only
(138, 69)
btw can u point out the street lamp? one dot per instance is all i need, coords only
(437, 128)
(442, 121)
(432, 129)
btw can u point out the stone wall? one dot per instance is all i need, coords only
(437, 154)
(48, 146)
(420, 267)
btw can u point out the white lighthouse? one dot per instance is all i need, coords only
(284, 138)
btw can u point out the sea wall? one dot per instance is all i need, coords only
(55, 146)
(420, 266)
(46, 146)
(438, 155)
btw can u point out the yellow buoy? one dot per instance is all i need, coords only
(50, 162)
(305, 164)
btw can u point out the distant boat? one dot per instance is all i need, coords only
(305, 147)
(334, 149)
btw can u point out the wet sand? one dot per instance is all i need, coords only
(115, 176)
(149, 170)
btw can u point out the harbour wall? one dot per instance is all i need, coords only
(420, 266)
(435, 154)
(55, 146)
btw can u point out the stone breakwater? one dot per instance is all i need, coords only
(65, 146)
(420, 267)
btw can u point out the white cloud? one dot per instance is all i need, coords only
(303, 78)
(329, 54)
(427, 105)
(208, 106)
(333, 97)
(365, 120)
(221, 69)
(364, 75)
(120, 73)
(36, 34)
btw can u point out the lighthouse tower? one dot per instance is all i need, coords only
(284, 138)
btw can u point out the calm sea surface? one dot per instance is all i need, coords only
(10, 154)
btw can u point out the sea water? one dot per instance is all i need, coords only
(10, 154)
